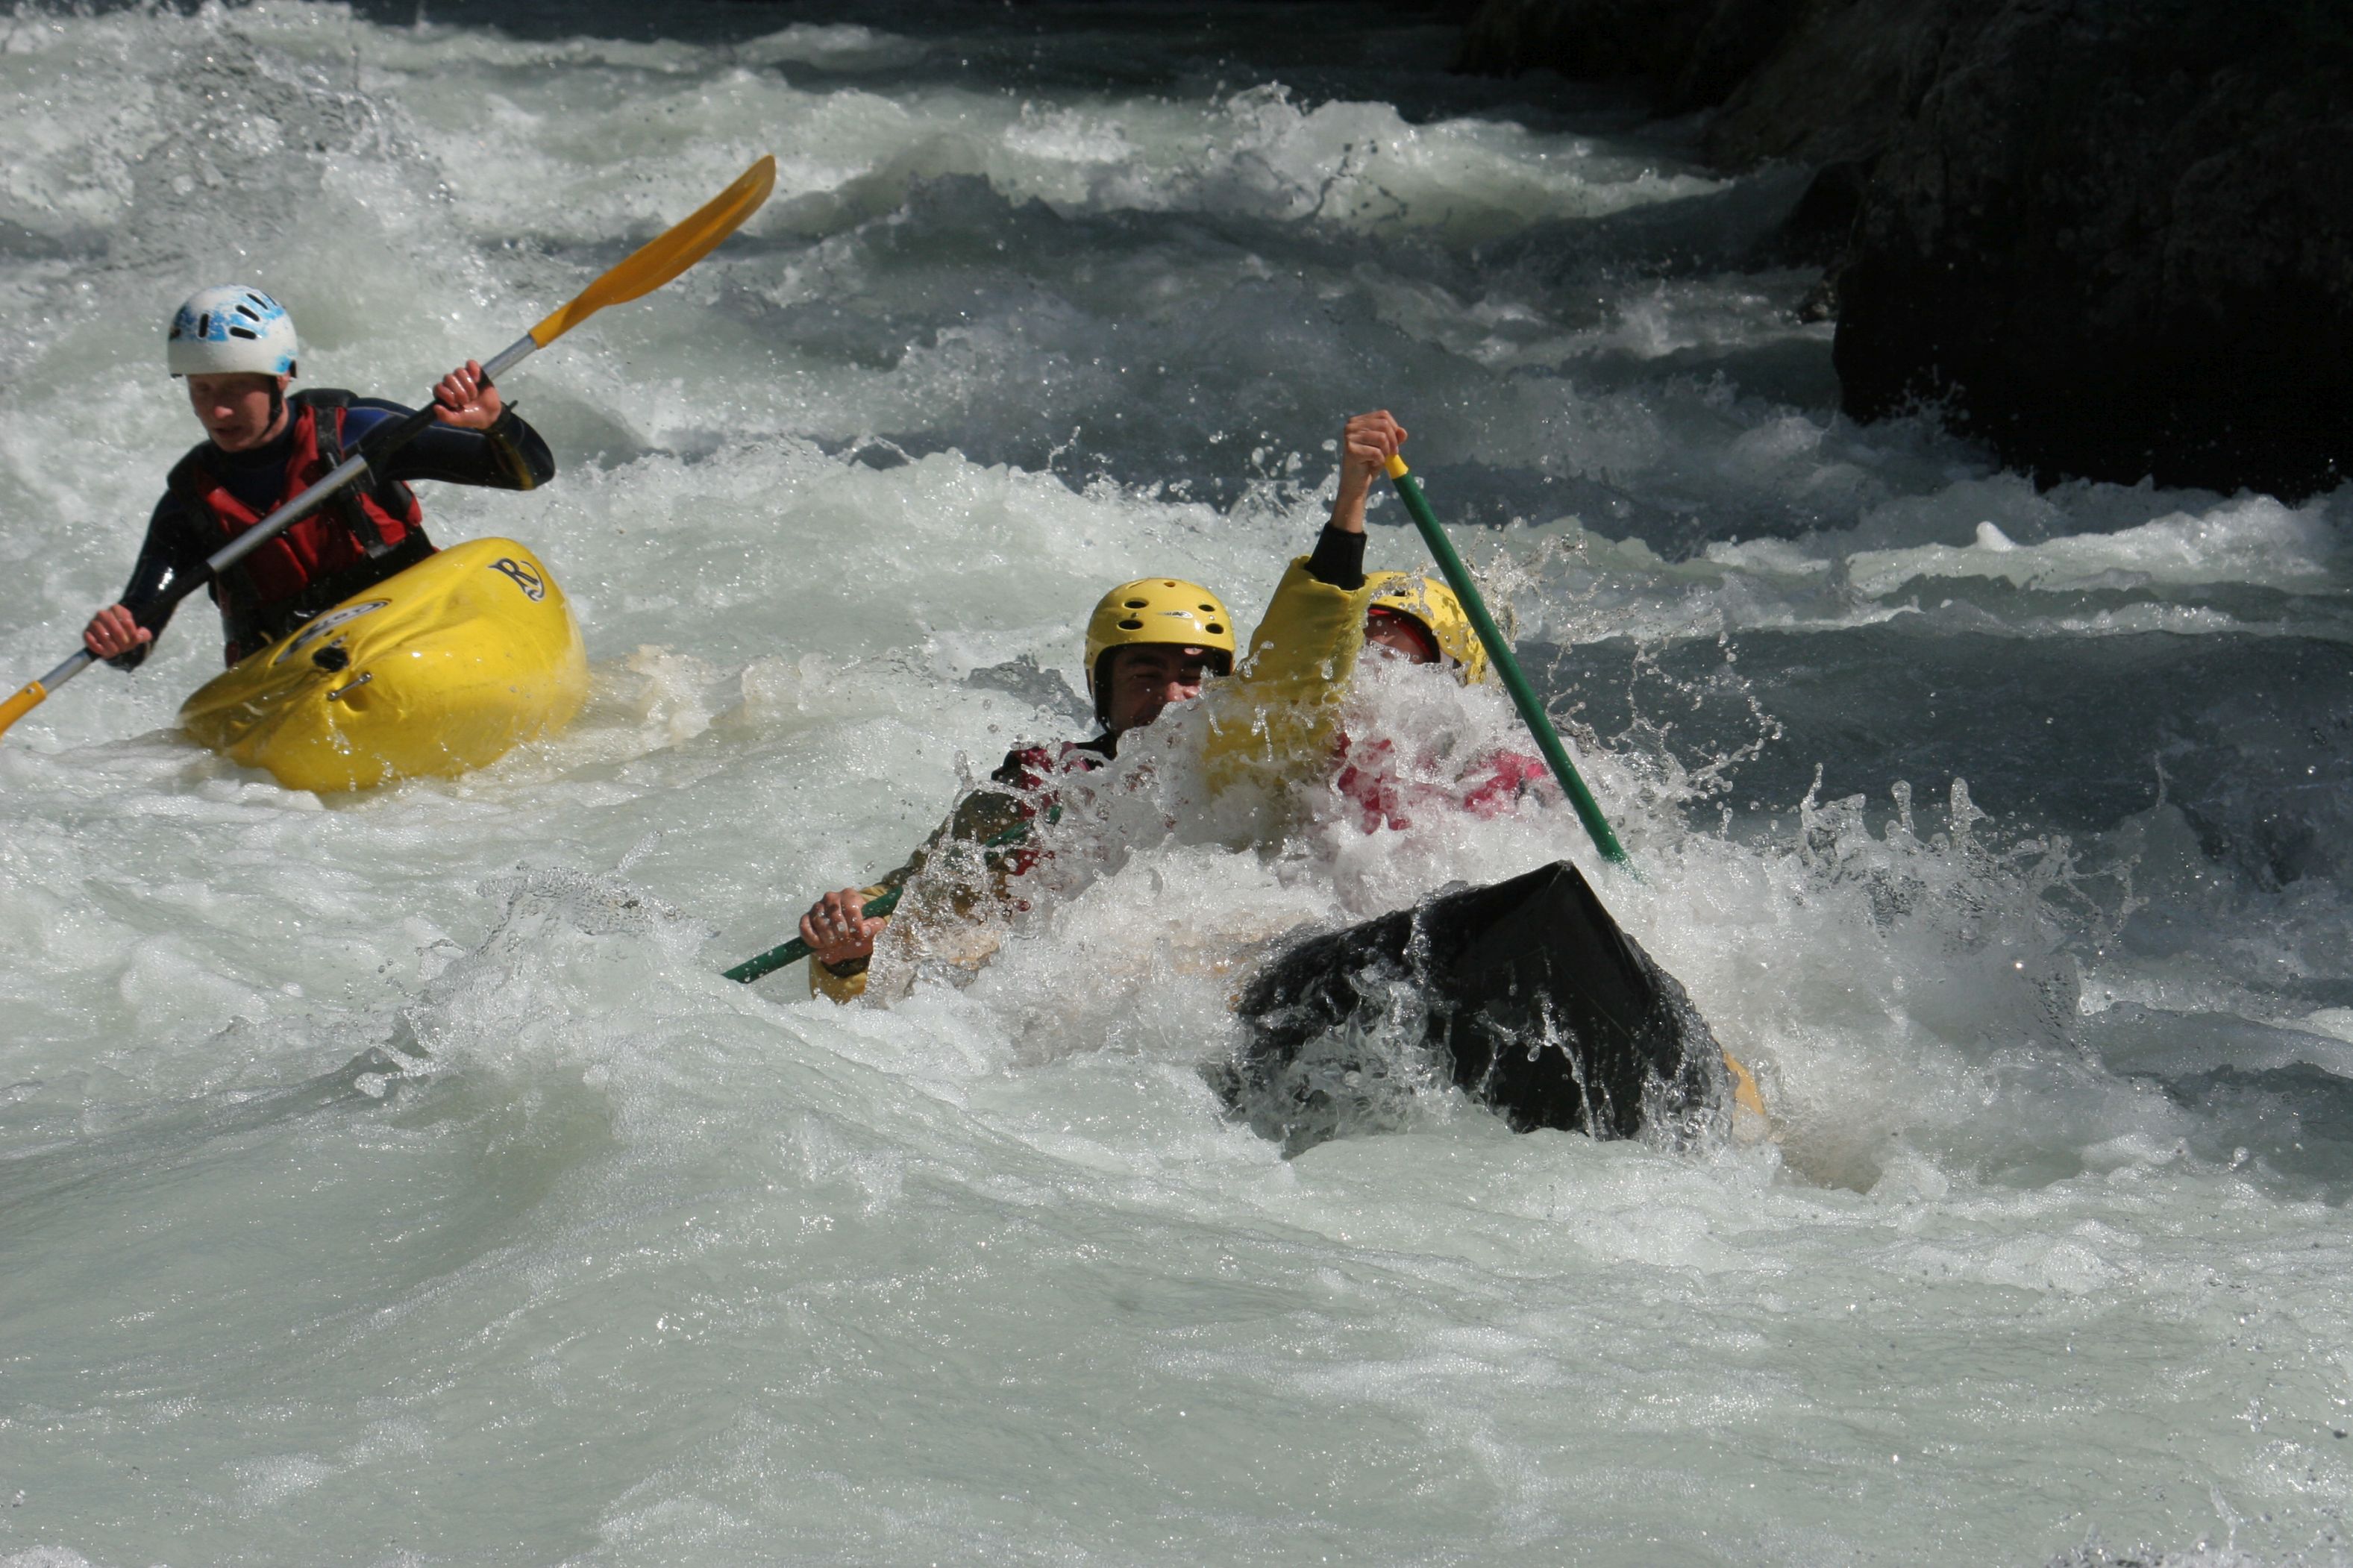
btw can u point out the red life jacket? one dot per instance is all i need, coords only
(1035, 774)
(355, 539)
(1370, 779)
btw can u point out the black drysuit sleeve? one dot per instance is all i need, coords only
(1339, 559)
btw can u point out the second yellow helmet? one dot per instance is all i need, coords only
(1433, 604)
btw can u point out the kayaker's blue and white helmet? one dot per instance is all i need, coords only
(231, 328)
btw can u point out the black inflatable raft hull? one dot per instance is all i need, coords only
(1524, 993)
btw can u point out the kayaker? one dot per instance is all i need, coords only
(1150, 643)
(1302, 656)
(1420, 621)
(235, 348)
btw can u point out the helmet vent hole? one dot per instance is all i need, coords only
(1214, 629)
(248, 312)
(247, 333)
(1131, 625)
(204, 325)
(1132, 603)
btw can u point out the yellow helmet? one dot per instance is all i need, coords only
(1162, 610)
(1433, 605)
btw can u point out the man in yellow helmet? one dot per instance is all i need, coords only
(1150, 643)
(1420, 620)
(1327, 610)
(1153, 642)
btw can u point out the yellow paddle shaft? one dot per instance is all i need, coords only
(23, 702)
(35, 692)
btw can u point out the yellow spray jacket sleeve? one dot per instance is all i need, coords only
(1274, 720)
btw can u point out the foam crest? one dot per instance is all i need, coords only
(2254, 540)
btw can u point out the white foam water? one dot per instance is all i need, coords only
(394, 1179)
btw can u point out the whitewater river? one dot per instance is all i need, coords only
(394, 1180)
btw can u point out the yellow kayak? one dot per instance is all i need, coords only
(442, 668)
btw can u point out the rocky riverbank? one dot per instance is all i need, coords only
(2112, 240)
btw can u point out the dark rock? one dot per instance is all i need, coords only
(1738, 37)
(1822, 226)
(1839, 85)
(2113, 238)
(1694, 53)
(2116, 240)
(1585, 40)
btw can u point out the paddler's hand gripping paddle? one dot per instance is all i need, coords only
(1499, 652)
(646, 270)
(875, 908)
(793, 952)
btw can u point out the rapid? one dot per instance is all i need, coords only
(393, 1179)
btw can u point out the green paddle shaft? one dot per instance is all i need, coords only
(793, 952)
(1499, 652)
(881, 904)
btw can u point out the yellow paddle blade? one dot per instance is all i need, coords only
(668, 253)
(23, 702)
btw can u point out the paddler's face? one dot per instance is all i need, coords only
(1388, 632)
(237, 411)
(1147, 678)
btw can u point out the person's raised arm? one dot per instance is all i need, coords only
(1367, 442)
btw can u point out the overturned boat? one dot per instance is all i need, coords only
(1524, 993)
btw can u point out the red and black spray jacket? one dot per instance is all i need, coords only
(357, 539)
(982, 846)
(1034, 775)
(992, 821)
(1385, 790)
